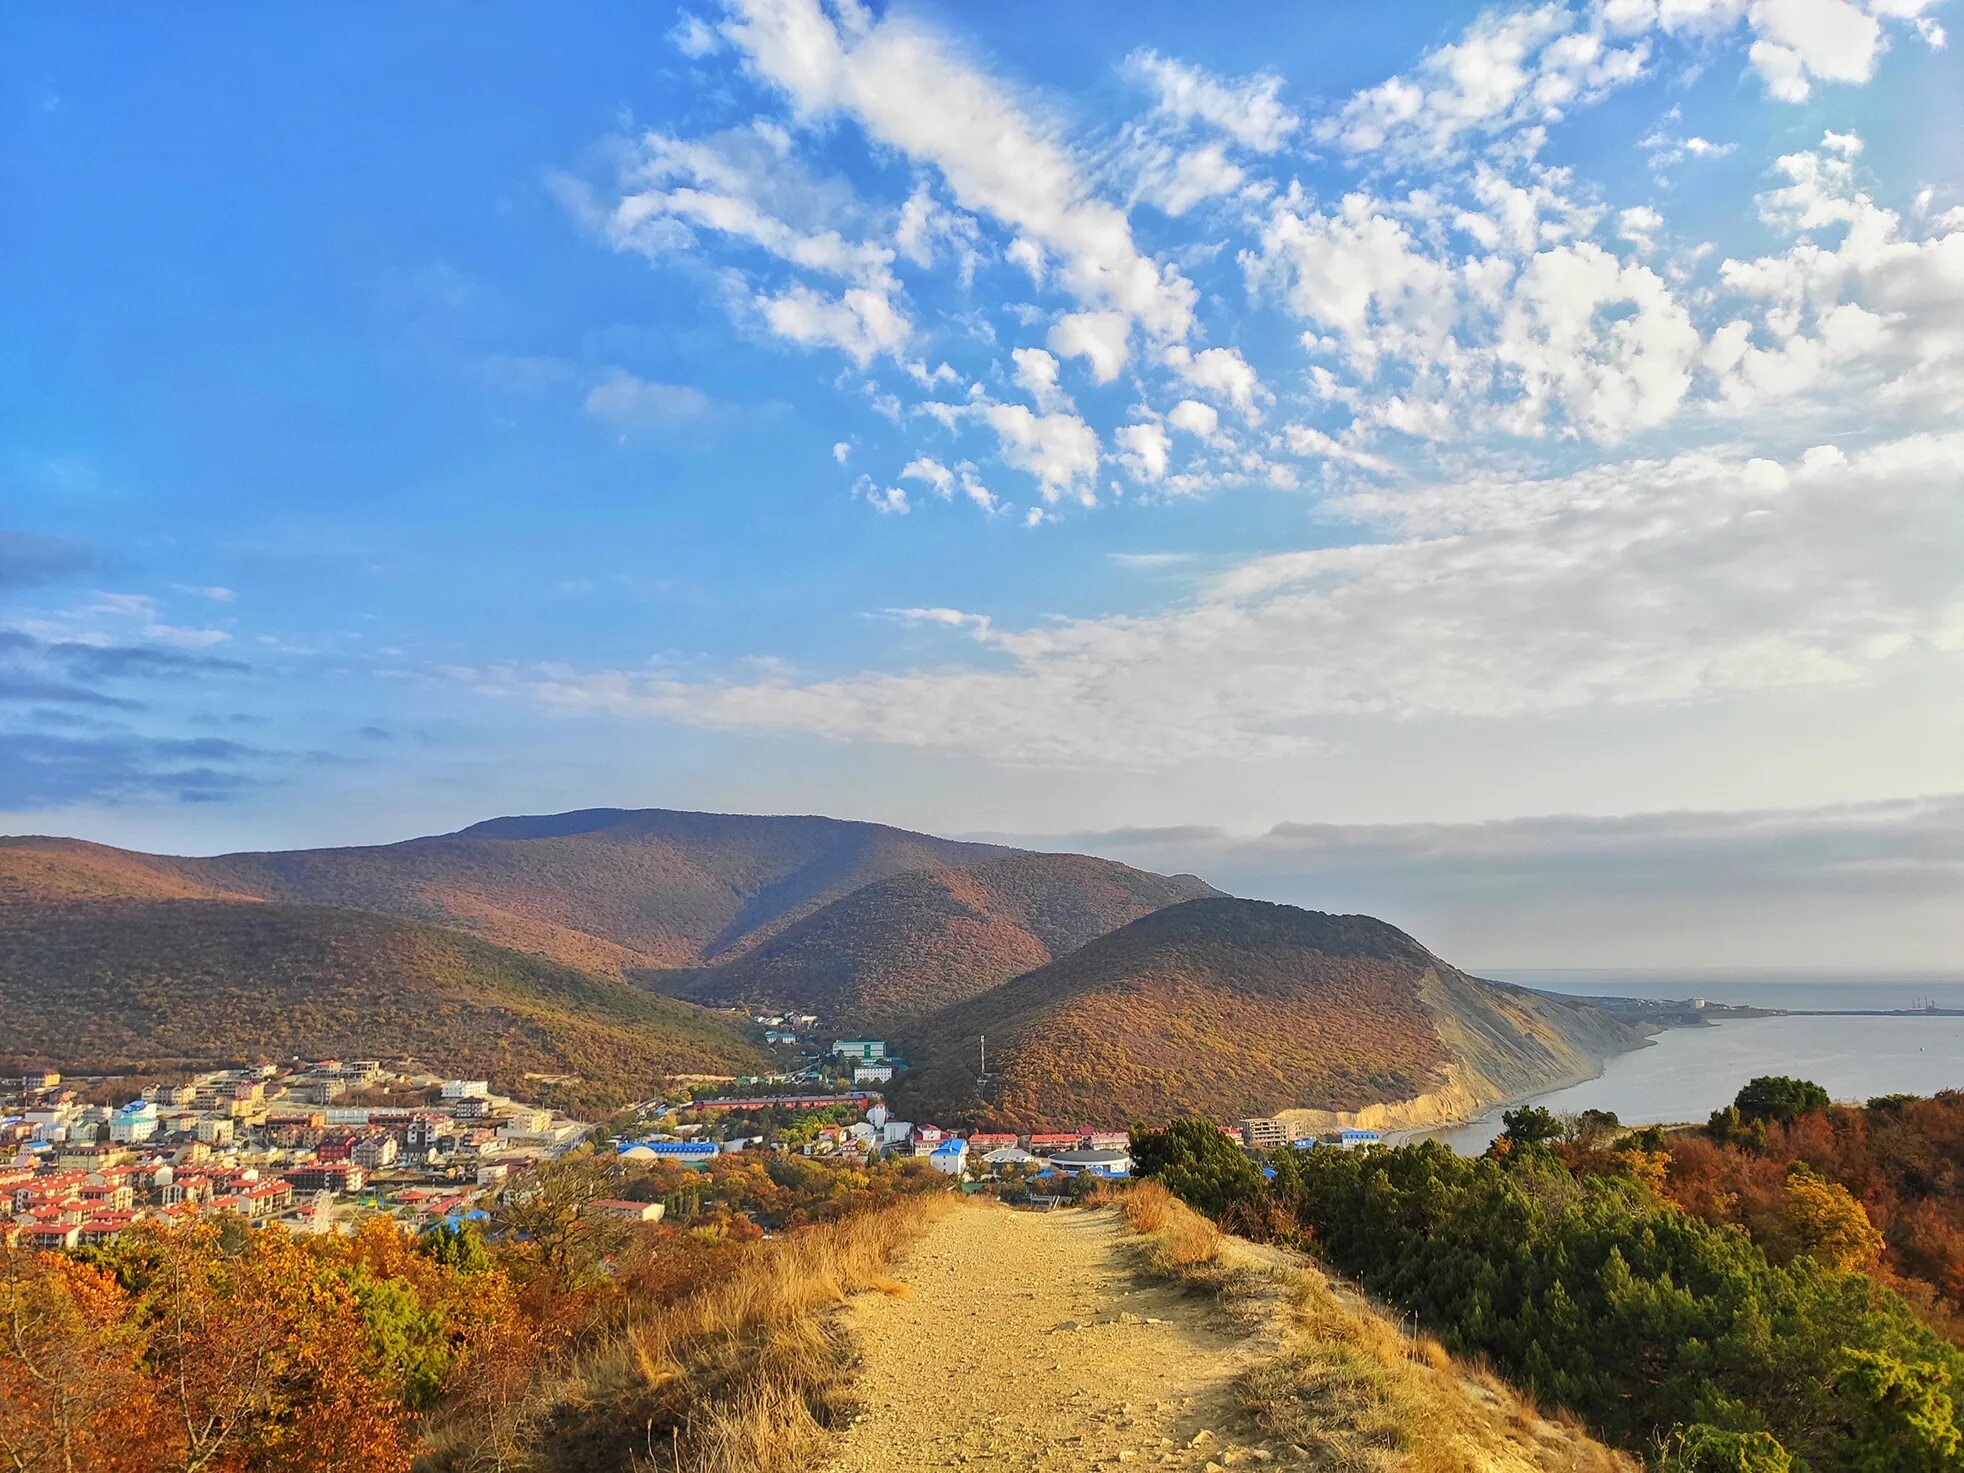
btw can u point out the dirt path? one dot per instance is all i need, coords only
(1029, 1342)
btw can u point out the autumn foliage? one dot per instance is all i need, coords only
(1852, 1186)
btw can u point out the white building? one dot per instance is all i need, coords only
(133, 1123)
(466, 1089)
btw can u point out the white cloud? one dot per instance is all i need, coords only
(1224, 372)
(911, 92)
(628, 402)
(1195, 418)
(1176, 179)
(1145, 449)
(926, 227)
(1036, 371)
(887, 500)
(1604, 340)
(861, 323)
(936, 475)
(841, 451)
(1646, 582)
(1059, 450)
(1097, 337)
(1508, 69)
(693, 37)
(1800, 41)
(1879, 300)
(1249, 111)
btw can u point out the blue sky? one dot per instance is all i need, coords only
(1176, 430)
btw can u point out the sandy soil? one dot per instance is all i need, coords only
(1029, 1342)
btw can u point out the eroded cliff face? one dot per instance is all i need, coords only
(1506, 1042)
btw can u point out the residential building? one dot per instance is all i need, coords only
(872, 1073)
(950, 1157)
(860, 1050)
(1262, 1134)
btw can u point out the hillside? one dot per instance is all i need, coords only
(901, 948)
(1228, 1008)
(91, 984)
(603, 889)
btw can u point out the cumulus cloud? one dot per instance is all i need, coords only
(1059, 450)
(1146, 450)
(1100, 338)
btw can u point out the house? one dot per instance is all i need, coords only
(992, 1140)
(1044, 1142)
(860, 1050)
(1105, 1140)
(1352, 1138)
(465, 1089)
(1114, 1164)
(871, 1073)
(621, 1211)
(950, 1158)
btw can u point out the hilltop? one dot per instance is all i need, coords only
(867, 925)
(604, 889)
(1228, 1008)
(899, 949)
(145, 984)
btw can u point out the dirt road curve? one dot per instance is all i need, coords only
(1029, 1343)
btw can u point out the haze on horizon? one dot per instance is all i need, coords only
(1495, 468)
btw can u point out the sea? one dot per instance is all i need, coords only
(1686, 1073)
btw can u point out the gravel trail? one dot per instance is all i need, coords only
(1029, 1342)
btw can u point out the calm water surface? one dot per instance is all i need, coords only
(1687, 1073)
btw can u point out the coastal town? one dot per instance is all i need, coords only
(320, 1146)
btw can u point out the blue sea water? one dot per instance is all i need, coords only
(1686, 1073)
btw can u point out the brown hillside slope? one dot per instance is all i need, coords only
(901, 948)
(602, 889)
(1227, 1008)
(38, 871)
(91, 985)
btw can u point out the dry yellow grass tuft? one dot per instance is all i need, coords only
(1347, 1383)
(743, 1374)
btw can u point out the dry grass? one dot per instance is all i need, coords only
(742, 1375)
(1347, 1383)
(1182, 1240)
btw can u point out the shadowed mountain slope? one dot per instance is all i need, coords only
(903, 947)
(97, 984)
(603, 889)
(1228, 1008)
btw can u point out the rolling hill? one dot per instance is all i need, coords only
(608, 890)
(1228, 1008)
(898, 949)
(145, 984)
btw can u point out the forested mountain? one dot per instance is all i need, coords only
(604, 889)
(1227, 1008)
(149, 984)
(901, 948)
